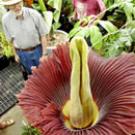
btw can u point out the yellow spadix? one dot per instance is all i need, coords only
(81, 110)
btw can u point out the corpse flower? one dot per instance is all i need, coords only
(76, 92)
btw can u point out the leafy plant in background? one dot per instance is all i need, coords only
(109, 3)
(55, 13)
(57, 5)
(124, 13)
(113, 40)
(93, 33)
(119, 41)
(51, 17)
(67, 6)
(66, 13)
(7, 49)
(5, 46)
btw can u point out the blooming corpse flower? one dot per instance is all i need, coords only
(76, 92)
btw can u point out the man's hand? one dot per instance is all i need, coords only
(17, 59)
(33, 68)
(42, 58)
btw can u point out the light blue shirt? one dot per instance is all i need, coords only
(27, 31)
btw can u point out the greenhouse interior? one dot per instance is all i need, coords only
(67, 67)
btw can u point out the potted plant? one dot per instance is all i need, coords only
(51, 13)
(5, 47)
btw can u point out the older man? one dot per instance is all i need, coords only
(27, 30)
(87, 8)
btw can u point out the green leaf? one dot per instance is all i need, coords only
(29, 130)
(133, 34)
(56, 15)
(73, 32)
(56, 26)
(134, 12)
(131, 24)
(56, 4)
(6, 46)
(42, 5)
(112, 52)
(50, 3)
(48, 16)
(96, 37)
(128, 8)
(108, 26)
(77, 24)
(36, 6)
(83, 32)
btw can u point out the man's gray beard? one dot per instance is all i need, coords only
(18, 14)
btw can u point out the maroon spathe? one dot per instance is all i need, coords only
(113, 89)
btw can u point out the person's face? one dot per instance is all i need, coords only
(16, 8)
